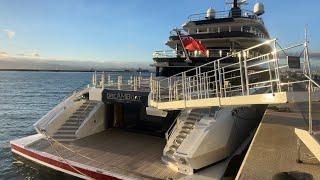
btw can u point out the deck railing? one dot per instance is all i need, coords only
(311, 83)
(223, 14)
(119, 81)
(220, 79)
(209, 53)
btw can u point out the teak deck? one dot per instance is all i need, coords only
(118, 151)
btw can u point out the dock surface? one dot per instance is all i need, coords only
(273, 151)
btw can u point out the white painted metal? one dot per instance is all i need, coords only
(201, 137)
(206, 88)
(310, 141)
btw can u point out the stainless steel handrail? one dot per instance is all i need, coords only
(223, 14)
(221, 81)
(311, 81)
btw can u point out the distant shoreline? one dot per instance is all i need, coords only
(51, 70)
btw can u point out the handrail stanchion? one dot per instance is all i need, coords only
(220, 79)
(241, 76)
(207, 85)
(246, 73)
(310, 108)
(197, 79)
(183, 88)
(200, 82)
(216, 78)
(109, 80)
(311, 82)
(102, 80)
(276, 60)
(159, 93)
(170, 89)
(224, 86)
(270, 75)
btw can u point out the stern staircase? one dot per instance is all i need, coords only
(67, 131)
(185, 123)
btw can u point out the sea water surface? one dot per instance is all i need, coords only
(24, 98)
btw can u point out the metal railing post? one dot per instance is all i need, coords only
(246, 74)
(200, 82)
(170, 89)
(159, 93)
(270, 74)
(215, 78)
(224, 84)
(241, 76)
(276, 59)
(183, 87)
(109, 80)
(220, 79)
(310, 108)
(207, 85)
(102, 80)
(197, 79)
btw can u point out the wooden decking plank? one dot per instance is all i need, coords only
(117, 150)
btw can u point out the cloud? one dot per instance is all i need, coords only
(4, 54)
(35, 54)
(10, 33)
(31, 55)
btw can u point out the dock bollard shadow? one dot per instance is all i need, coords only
(293, 175)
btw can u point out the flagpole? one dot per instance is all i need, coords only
(184, 49)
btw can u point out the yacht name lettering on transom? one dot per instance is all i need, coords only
(123, 96)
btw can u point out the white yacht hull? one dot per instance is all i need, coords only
(213, 138)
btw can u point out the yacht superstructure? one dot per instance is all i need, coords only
(222, 33)
(186, 121)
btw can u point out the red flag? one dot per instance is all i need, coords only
(192, 44)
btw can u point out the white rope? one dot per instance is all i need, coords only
(48, 138)
(69, 149)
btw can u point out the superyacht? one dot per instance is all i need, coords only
(110, 129)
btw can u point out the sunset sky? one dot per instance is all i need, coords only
(127, 30)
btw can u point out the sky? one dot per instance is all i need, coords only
(127, 30)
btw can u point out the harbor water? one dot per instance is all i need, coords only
(24, 98)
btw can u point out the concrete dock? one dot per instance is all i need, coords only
(273, 152)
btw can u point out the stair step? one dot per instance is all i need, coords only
(187, 129)
(69, 126)
(60, 137)
(179, 140)
(73, 120)
(86, 107)
(170, 152)
(181, 136)
(64, 128)
(188, 126)
(66, 131)
(183, 133)
(78, 116)
(168, 159)
(173, 147)
(176, 143)
(76, 123)
(189, 123)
